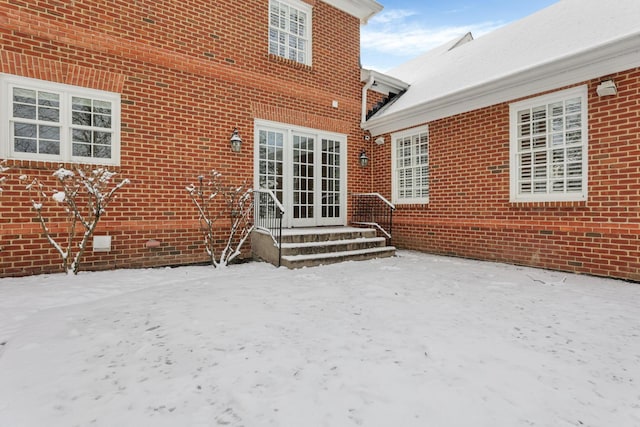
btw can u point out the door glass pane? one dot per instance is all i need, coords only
(330, 200)
(270, 164)
(303, 177)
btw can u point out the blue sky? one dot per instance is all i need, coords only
(407, 28)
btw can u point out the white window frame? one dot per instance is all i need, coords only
(301, 7)
(289, 130)
(65, 92)
(395, 184)
(551, 130)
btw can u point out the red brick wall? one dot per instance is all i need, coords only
(188, 71)
(469, 213)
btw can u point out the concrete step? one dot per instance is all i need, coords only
(307, 247)
(343, 245)
(320, 234)
(312, 260)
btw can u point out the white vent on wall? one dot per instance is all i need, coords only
(101, 243)
(607, 88)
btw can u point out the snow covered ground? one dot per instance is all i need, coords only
(415, 340)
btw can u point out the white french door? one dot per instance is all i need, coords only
(305, 169)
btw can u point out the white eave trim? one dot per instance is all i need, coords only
(361, 9)
(382, 83)
(616, 56)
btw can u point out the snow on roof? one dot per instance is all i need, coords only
(568, 42)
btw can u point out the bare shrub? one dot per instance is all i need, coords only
(216, 201)
(3, 168)
(84, 195)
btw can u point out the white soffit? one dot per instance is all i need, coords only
(361, 9)
(382, 83)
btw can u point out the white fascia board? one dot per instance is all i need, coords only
(613, 57)
(382, 83)
(361, 9)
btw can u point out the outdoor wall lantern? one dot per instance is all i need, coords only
(607, 88)
(364, 160)
(236, 141)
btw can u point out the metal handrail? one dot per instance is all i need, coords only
(267, 216)
(379, 196)
(373, 210)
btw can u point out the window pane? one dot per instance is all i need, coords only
(540, 141)
(50, 147)
(288, 32)
(539, 113)
(102, 121)
(574, 105)
(37, 107)
(574, 154)
(81, 104)
(24, 96)
(81, 150)
(23, 111)
(524, 116)
(556, 109)
(47, 99)
(25, 145)
(48, 109)
(412, 166)
(83, 119)
(540, 187)
(550, 147)
(102, 107)
(103, 152)
(25, 130)
(574, 169)
(574, 186)
(81, 135)
(557, 139)
(49, 114)
(50, 132)
(94, 114)
(102, 138)
(57, 122)
(539, 127)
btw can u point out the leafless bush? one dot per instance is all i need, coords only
(84, 194)
(216, 201)
(3, 168)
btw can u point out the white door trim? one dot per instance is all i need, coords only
(287, 172)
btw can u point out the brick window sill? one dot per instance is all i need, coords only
(289, 62)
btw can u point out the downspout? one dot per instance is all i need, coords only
(365, 89)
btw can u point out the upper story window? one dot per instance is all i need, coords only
(290, 30)
(410, 166)
(549, 147)
(56, 122)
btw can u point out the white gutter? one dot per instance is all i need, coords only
(365, 89)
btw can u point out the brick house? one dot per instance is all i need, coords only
(520, 146)
(162, 85)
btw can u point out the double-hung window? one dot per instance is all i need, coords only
(56, 122)
(290, 30)
(410, 166)
(549, 147)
